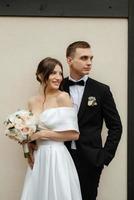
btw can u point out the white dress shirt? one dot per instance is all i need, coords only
(76, 92)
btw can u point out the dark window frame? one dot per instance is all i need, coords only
(88, 9)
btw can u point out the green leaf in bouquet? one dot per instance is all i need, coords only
(18, 116)
(6, 122)
(38, 128)
(30, 113)
(12, 129)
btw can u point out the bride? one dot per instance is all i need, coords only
(53, 175)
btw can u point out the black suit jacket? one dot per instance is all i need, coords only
(90, 121)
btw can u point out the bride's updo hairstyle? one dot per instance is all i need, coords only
(45, 68)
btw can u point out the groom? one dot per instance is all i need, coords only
(94, 104)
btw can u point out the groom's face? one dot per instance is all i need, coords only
(80, 62)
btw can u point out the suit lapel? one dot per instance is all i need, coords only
(84, 101)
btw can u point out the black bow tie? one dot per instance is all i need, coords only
(76, 83)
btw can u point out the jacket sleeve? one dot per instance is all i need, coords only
(113, 124)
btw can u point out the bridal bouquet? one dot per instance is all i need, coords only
(20, 126)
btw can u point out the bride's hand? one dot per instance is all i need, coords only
(40, 135)
(35, 136)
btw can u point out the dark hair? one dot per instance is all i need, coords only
(46, 67)
(72, 47)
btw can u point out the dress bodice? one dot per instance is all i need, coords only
(59, 119)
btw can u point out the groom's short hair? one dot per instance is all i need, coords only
(72, 47)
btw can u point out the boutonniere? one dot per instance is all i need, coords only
(92, 101)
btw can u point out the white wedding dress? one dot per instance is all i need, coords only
(54, 175)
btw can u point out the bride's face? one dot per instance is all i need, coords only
(55, 78)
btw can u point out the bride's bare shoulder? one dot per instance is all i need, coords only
(35, 100)
(64, 99)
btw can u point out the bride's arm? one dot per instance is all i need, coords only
(32, 145)
(56, 136)
(63, 100)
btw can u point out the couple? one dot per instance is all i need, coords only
(56, 174)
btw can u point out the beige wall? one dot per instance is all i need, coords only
(23, 43)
